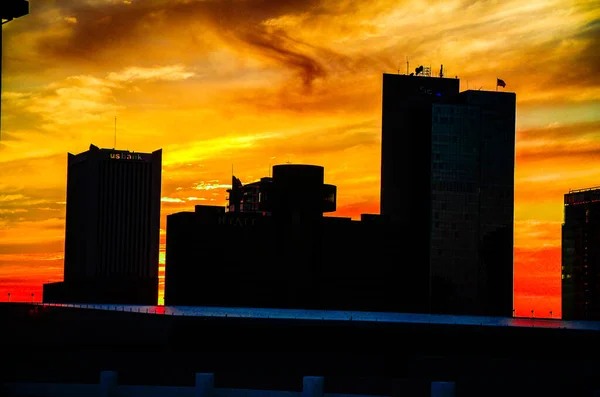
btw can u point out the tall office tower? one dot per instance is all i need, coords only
(112, 228)
(581, 255)
(447, 180)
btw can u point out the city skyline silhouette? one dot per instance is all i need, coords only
(276, 83)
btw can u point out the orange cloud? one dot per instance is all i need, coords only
(266, 82)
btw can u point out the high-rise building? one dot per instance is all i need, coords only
(581, 255)
(112, 228)
(447, 178)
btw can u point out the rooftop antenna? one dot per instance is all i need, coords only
(115, 143)
(406, 64)
(441, 71)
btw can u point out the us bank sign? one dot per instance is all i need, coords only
(126, 156)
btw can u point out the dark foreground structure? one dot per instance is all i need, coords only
(112, 228)
(358, 355)
(278, 250)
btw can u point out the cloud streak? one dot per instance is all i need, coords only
(168, 73)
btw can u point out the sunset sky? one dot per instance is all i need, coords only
(254, 83)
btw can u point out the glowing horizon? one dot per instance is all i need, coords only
(264, 83)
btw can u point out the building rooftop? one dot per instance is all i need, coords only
(336, 315)
(589, 189)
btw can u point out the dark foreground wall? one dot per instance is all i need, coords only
(73, 345)
(135, 291)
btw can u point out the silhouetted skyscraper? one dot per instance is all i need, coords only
(272, 235)
(112, 228)
(447, 178)
(581, 255)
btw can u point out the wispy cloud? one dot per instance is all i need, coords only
(77, 100)
(171, 200)
(10, 197)
(167, 73)
(210, 185)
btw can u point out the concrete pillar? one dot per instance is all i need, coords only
(205, 384)
(443, 389)
(312, 386)
(109, 381)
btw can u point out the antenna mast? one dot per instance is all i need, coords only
(115, 143)
(407, 65)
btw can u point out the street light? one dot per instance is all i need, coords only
(9, 296)
(32, 297)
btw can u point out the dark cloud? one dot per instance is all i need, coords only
(329, 141)
(580, 70)
(561, 141)
(103, 31)
(277, 46)
(561, 131)
(40, 247)
(338, 95)
(32, 204)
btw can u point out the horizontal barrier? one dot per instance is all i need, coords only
(337, 315)
(313, 386)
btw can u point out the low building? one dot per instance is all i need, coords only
(274, 248)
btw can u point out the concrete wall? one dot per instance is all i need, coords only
(313, 386)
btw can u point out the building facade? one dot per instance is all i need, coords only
(448, 174)
(281, 252)
(112, 228)
(581, 255)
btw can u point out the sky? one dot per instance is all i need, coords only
(252, 83)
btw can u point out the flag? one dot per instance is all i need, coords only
(500, 83)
